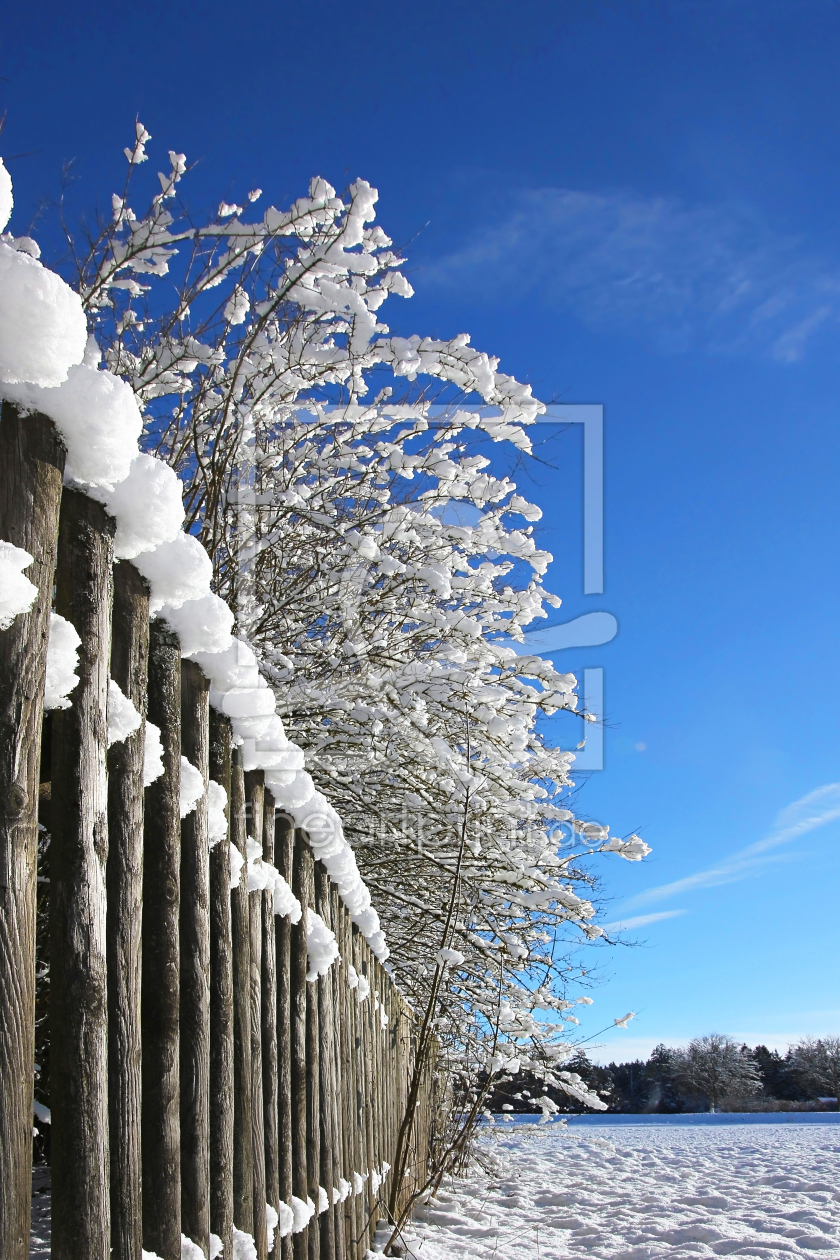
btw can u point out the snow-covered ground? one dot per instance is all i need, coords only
(637, 1192)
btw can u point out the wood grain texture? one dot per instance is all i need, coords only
(124, 885)
(194, 920)
(160, 990)
(284, 833)
(269, 1025)
(327, 1079)
(302, 888)
(32, 463)
(255, 795)
(221, 1004)
(78, 856)
(243, 1116)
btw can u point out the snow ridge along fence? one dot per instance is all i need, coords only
(229, 1061)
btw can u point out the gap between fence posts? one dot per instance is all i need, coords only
(221, 1003)
(195, 968)
(32, 459)
(160, 986)
(124, 888)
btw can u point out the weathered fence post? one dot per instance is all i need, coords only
(160, 990)
(32, 459)
(221, 1006)
(356, 1089)
(301, 886)
(327, 1075)
(255, 795)
(284, 839)
(243, 1121)
(313, 1082)
(366, 1074)
(78, 853)
(269, 1024)
(195, 968)
(124, 882)
(346, 1079)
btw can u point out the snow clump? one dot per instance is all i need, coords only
(633, 849)
(152, 755)
(177, 570)
(217, 823)
(237, 861)
(321, 946)
(285, 1219)
(202, 625)
(97, 415)
(244, 1247)
(62, 663)
(7, 201)
(123, 718)
(147, 505)
(271, 1219)
(192, 788)
(303, 1213)
(43, 329)
(17, 593)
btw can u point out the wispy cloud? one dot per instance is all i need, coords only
(809, 812)
(640, 920)
(716, 277)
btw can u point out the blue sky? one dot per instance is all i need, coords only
(630, 204)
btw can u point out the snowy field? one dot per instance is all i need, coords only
(637, 1192)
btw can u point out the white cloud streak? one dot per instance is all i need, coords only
(641, 920)
(807, 814)
(713, 277)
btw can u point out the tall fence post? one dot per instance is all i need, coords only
(301, 885)
(346, 1099)
(327, 1076)
(195, 968)
(160, 991)
(221, 1005)
(269, 1024)
(255, 795)
(284, 840)
(313, 1080)
(78, 854)
(124, 883)
(243, 1121)
(32, 459)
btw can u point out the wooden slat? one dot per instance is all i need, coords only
(78, 854)
(283, 851)
(195, 968)
(326, 1078)
(221, 1006)
(255, 797)
(243, 1116)
(32, 460)
(124, 883)
(160, 989)
(269, 1024)
(301, 886)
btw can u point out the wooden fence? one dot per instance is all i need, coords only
(196, 1075)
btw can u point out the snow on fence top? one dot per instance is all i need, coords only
(49, 364)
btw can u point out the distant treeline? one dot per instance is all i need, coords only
(659, 1085)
